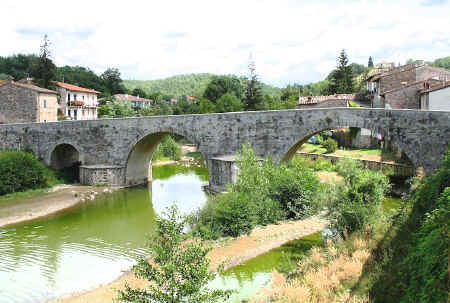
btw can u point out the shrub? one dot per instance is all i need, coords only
(330, 145)
(357, 203)
(168, 148)
(20, 171)
(323, 164)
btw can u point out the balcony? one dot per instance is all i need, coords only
(76, 103)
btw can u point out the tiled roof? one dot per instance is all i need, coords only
(3, 82)
(317, 99)
(408, 85)
(438, 86)
(75, 88)
(32, 87)
(131, 98)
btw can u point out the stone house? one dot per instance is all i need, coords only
(337, 100)
(24, 102)
(77, 103)
(404, 81)
(436, 97)
(136, 101)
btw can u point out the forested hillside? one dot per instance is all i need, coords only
(188, 84)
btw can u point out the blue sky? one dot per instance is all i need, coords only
(290, 41)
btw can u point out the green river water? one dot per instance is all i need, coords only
(92, 243)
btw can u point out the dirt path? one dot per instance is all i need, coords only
(232, 253)
(60, 197)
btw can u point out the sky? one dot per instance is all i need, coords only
(289, 41)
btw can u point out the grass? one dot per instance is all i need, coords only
(24, 194)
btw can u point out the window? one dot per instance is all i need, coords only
(74, 97)
(45, 103)
(68, 97)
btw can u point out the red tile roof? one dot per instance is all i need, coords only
(76, 88)
(317, 99)
(131, 98)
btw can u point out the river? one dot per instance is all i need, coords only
(92, 243)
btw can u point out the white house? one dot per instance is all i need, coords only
(77, 103)
(136, 101)
(436, 97)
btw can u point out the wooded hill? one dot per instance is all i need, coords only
(188, 85)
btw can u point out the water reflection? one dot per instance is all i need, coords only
(92, 242)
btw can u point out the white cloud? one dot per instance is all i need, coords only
(290, 41)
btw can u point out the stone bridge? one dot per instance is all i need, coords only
(119, 151)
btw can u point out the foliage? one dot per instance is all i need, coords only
(45, 71)
(330, 145)
(341, 79)
(80, 76)
(112, 81)
(116, 109)
(253, 92)
(228, 103)
(20, 171)
(18, 66)
(442, 62)
(168, 148)
(291, 92)
(357, 202)
(186, 85)
(264, 193)
(370, 63)
(358, 69)
(221, 85)
(179, 269)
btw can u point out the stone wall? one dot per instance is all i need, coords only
(403, 98)
(18, 105)
(426, 72)
(102, 174)
(422, 135)
(395, 79)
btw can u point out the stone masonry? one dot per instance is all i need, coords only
(126, 145)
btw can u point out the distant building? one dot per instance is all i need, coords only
(77, 103)
(337, 100)
(403, 80)
(173, 100)
(136, 101)
(436, 97)
(23, 102)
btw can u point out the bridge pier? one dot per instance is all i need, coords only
(222, 171)
(102, 174)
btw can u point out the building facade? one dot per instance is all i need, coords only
(24, 103)
(77, 103)
(436, 97)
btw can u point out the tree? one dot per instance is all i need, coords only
(253, 95)
(221, 85)
(81, 76)
(18, 66)
(139, 92)
(179, 269)
(116, 109)
(370, 64)
(341, 79)
(45, 71)
(112, 81)
(228, 103)
(291, 91)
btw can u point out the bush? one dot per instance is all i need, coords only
(357, 202)
(330, 145)
(20, 171)
(322, 164)
(167, 148)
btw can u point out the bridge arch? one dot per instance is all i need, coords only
(289, 150)
(138, 168)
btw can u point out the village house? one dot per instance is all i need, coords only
(24, 102)
(136, 101)
(77, 103)
(337, 100)
(398, 88)
(436, 97)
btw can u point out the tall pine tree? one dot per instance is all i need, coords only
(253, 94)
(45, 71)
(370, 64)
(344, 75)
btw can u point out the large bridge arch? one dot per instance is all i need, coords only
(289, 150)
(138, 167)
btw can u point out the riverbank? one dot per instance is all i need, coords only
(60, 197)
(231, 253)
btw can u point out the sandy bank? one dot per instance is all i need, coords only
(232, 253)
(58, 198)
